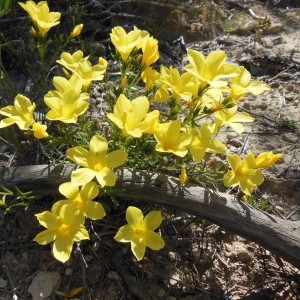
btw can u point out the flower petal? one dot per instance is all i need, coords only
(78, 155)
(98, 145)
(45, 237)
(153, 240)
(69, 190)
(62, 248)
(138, 248)
(82, 176)
(94, 210)
(115, 158)
(135, 217)
(125, 234)
(153, 219)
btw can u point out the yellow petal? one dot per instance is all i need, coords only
(115, 158)
(230, 179)
(89, 191)
(153, 219)
(94, 211)
(154, 241)
(98, 145)
(82, 176)
(78, 155)
(45, 237)
(125, 234)
(135, 217)
(69, 190)
(48, 220)
(138, 248)
(62, 248)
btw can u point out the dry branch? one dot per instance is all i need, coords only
(280, 236)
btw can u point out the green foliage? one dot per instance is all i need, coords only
(10, 200)
(259, 203)
(5, 7)
(286, 124)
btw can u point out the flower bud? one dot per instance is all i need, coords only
(183, 175)
(76, 31)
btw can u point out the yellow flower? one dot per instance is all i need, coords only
(39, 130)
(126, 42)
(203, 142)
(76, 31)
(267, 159)
(180, 86)
(243, 173)
(63, 229)
(21, 113)
(71, 61)
(150, 124)
(96, 162)
(150, 51)
(171, 139)
(229, 116)
(62, 85)
(83, 198)
(40, 15)
(83, 68)
(210, 70)
(67, 102)
(128, 115)
(149, 76)
(183, 175)
(242, 84)
(140, 231)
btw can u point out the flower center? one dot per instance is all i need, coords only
(64, 229)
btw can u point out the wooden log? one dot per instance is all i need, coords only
(282, 237)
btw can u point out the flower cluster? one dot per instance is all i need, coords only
(196, 105)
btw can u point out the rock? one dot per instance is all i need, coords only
(44, 284)
(290, 138)
(161, 293)
(235, 142)
(113, 275)
(3, 283)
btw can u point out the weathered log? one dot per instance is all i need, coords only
(282, 237)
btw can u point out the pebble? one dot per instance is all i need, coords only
(230, 136)
(290, 96)
(44, 284)
(161, 293)
(3, 283)
(68, 271)
(235, 142)
(113, 275)
(175, 278)
(290, 138)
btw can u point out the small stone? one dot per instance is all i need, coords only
(113, 275)
(68, 272)
(44, 284)
(247, 105)
(230, 136)
(290, 138)
(290, 88)
(175, 278)
(172, 255)
(161, 293)
(235, 142)
(290, 96)
(264, 105)
(3, 283)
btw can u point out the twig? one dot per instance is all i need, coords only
(15, 296)
(129, 281)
